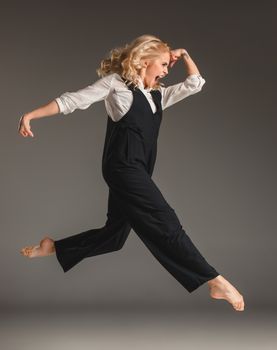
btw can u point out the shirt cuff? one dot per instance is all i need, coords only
(60, 104)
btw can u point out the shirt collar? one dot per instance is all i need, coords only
(141, 85)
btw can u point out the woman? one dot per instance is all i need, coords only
(135, 99)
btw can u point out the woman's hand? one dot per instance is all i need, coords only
(176, 54)
(24, 127)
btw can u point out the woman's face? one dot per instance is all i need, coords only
(154, 69)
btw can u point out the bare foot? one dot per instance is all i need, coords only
(220, 288)
(45, 248)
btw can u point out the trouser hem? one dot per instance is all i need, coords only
(200, 283)
(66, 263)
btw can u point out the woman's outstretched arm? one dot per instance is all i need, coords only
(67, 103)
(49, 109)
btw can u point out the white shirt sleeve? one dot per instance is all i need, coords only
(175, 93)
(83, 98)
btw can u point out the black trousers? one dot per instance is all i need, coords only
(136, 202)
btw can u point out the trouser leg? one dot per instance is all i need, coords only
(157, 225)
(111, 237)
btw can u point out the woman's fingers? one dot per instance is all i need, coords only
(178, 53)
(172, 63)
(175, 55)
(29, 132)
(24, 127)
(173, 60)
(20, 123)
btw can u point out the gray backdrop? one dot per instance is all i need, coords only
(216, 161)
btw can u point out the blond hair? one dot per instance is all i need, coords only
(126, 60)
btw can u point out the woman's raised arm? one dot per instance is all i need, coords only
(191, 85)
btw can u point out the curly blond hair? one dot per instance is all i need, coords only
(126, 60)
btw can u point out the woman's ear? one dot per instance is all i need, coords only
(144, 63)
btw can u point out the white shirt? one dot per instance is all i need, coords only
(118, 98)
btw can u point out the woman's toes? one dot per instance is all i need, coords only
(239, 306)
(28, 251)
(24, 251)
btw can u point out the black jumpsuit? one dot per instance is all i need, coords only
(135, 201)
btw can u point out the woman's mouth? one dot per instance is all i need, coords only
(158, 77)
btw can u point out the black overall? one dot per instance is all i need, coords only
(135, 201)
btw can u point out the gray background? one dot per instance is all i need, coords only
(216, 161)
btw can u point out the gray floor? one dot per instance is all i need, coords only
(129, 327)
